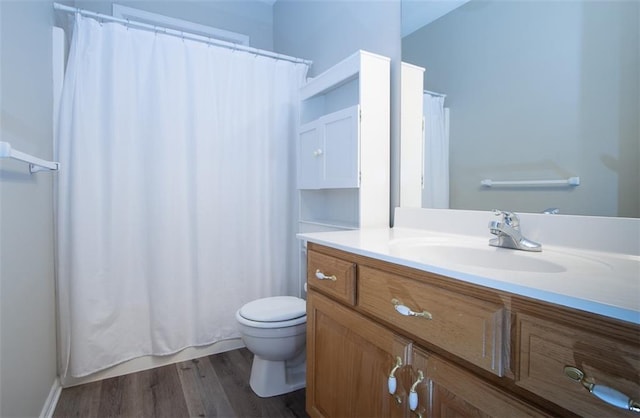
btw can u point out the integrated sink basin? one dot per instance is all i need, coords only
(473, 253)
(490, 257)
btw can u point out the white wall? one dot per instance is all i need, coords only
(27, 307)
(327, 31)
(539, 90)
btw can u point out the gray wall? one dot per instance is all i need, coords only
(27, 307)
(249, 17)
(539, 90)
(27, 288)
(328, 31)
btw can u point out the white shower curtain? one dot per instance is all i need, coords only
(175, 195)
(436, 153)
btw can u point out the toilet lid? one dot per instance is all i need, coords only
(274, 309)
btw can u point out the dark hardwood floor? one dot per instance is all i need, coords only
(213, 386)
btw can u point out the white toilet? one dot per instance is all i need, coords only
(274, 330)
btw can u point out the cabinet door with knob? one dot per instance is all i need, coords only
(355, 366)
(328, 151)
(441, 389)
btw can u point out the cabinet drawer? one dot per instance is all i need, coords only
(341, 276)
(464, 326)
(546, 347)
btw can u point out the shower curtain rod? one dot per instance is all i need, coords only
(181, 34)
(433, 93)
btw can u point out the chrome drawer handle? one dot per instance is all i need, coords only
(321, 276)
(413, 395)
(404, 310)
(604, 393)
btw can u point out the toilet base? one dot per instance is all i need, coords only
(271, 378)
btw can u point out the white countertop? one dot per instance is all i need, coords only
(605, 283)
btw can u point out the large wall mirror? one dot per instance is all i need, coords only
(532, 91)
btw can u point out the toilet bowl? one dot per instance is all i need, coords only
(274, 330)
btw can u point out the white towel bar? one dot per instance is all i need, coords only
(571, 181)
(35, 164)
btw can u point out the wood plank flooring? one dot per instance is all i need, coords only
(213, 386)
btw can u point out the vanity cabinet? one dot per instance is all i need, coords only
(454, 349)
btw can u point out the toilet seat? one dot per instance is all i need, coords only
(273, 312)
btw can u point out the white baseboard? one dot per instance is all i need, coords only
(52, 400)
(150, 362)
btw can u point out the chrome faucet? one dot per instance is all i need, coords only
(508, 233)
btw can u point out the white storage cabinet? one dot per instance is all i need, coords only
(343, 149)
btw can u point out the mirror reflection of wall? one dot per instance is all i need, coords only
(538, 90)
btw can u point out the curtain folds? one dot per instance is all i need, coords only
(175, 196)
(436, 153)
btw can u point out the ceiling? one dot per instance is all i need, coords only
(417, 13)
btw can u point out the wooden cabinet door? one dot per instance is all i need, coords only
(448, 390)
(349, 358)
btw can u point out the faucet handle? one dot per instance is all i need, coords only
(509, 218)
